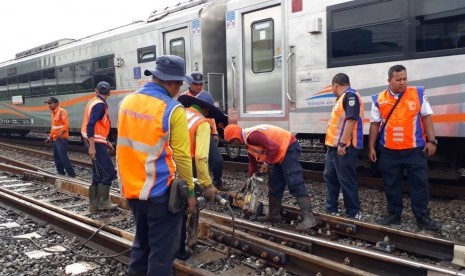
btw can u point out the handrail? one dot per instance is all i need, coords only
(289, 76)
(233, 62)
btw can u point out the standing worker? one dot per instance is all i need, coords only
(405, 139)
(59, 137)
(152, 150)
(198, 109)
(344, 139)
(215, 161)
(272, 145)
(95, 129)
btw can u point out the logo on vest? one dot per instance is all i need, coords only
(412, 105)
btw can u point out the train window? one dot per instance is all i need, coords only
(263, 46)
(36, 83)
(83, 76)
(146, 54)
(378, 33)
(3, 89)
(105, 75)
(12, 83)
(65, 79)
(104, 63)
(439, 26)
(178, 48)
(23, 85)
(50, 82)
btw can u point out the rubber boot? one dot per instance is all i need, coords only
(104, 198)
(274, 210)
(93, 198)
(308, 220)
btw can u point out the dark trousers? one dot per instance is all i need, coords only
(215, 163)
(339, 173)
(288, 172)
(157, 237)
(103, 170)
(392, 165)
(60, 155)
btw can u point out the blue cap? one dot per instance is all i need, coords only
(52, 100)
(197, 77)
(204, 99)
(169, 68)
(103, 87)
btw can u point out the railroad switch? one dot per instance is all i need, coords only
(385, 245)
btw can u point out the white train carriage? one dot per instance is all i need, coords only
(266, 61)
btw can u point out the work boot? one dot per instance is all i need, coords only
(391, 218)
(104, 198)
(427, 223)
(308, 220)
(93, 198)
(274, 210)
(221, 186)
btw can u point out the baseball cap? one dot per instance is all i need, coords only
(196, 77)
(52, 100)
(169, 68)
(103, 87)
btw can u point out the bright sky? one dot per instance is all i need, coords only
(25, 24)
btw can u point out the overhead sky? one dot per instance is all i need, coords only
(25, 24)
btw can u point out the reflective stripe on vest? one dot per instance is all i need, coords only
(102, 127)
(405, 129)
(194, 119)
(280, 136)
(337, 121)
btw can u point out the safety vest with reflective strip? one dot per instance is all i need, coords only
(280, 136)
(211, 121)
(404, 129)
(59, 122)
(144, 156)
(194, 119)
(337, 122)
(102, 127)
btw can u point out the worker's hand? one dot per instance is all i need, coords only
(372, 155)
(264, 168)
(210, 193)
(92, 152)
(215, 138)
(430, 149)
(48, 141)
(191, 203)
(110, 147)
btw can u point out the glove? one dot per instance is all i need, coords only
(210, 193)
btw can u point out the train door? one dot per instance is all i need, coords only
(176, 42)
(262, 63)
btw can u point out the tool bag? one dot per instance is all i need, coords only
(178, 196)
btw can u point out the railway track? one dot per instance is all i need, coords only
(270, 247)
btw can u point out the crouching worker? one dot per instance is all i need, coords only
(95, 129)
(198, 109)
(272, 145)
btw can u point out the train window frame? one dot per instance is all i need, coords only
(4, 93)
(399, 6)
(142, 52)
(183, 42)
(108, 73)
(255, 23)
(71, 85)
(408, 14)
(36, 88)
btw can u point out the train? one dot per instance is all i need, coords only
(264, 61)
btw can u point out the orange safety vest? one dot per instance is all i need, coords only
(59, 122)
(280, 136)
(211, 121)
(143, 154)
(404, 129)
(102, 127)
(337, 121)
(194, 119)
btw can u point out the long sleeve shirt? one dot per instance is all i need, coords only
(202, 149)
(257, 138)
(60, 123)
(179, 141)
